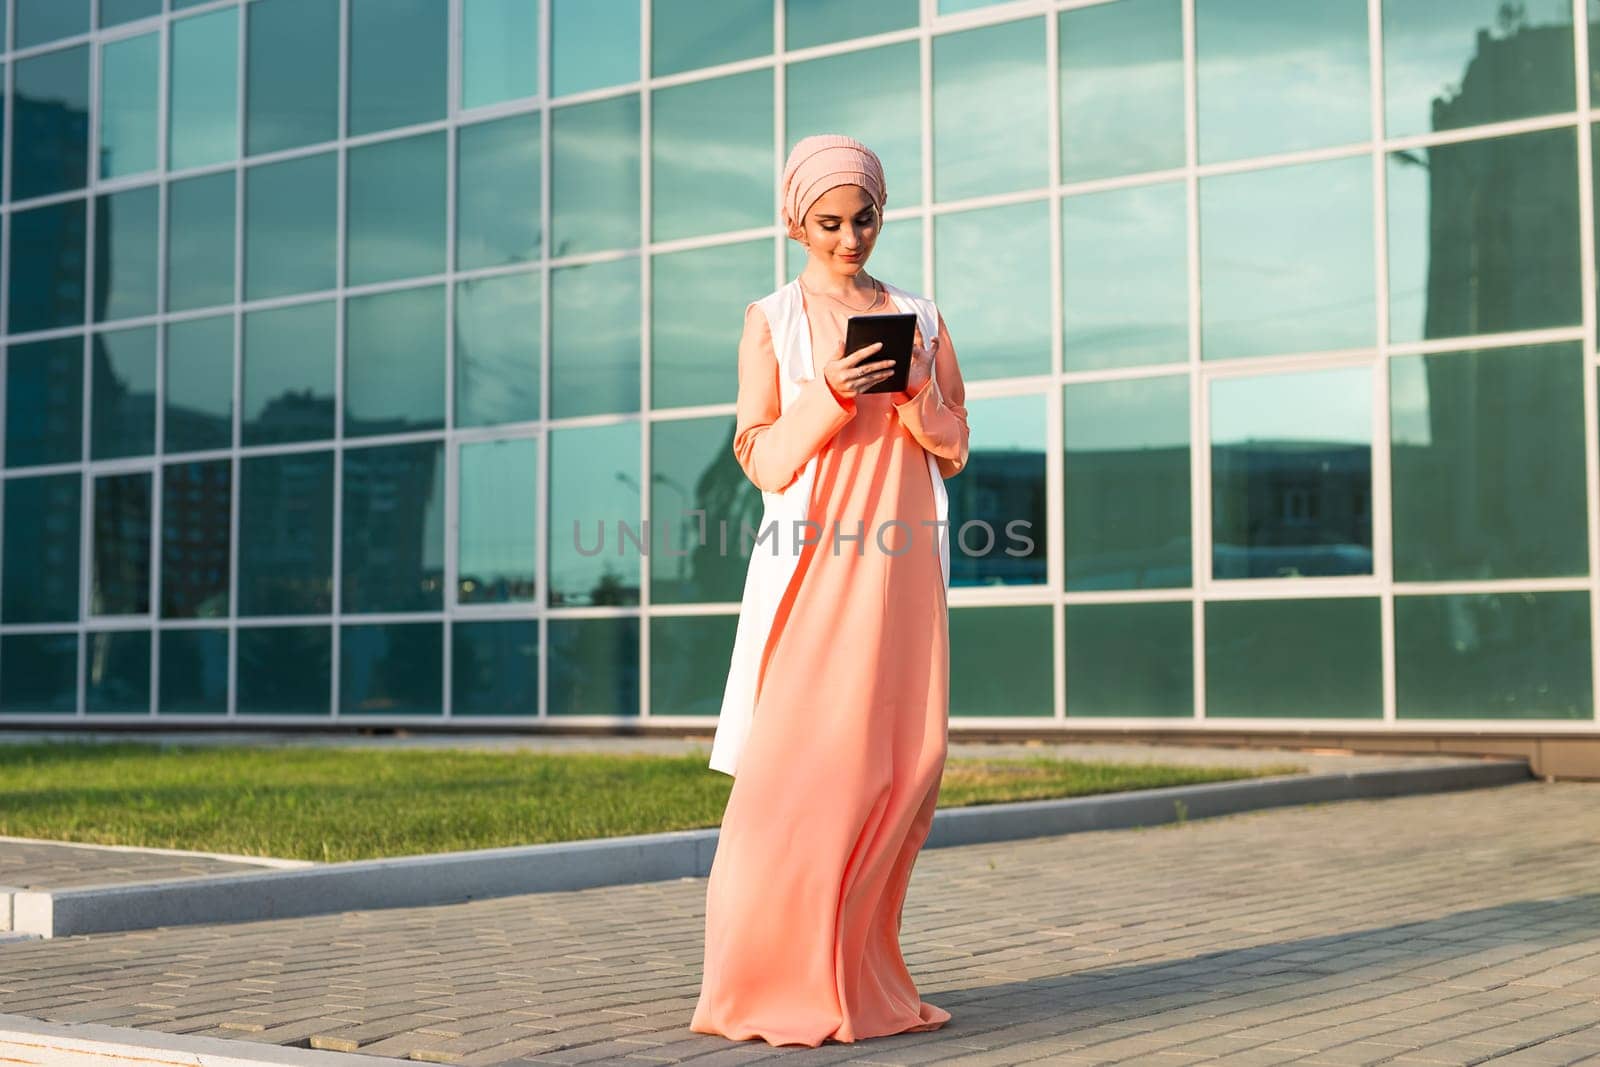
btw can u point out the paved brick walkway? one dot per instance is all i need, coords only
(1455, 928)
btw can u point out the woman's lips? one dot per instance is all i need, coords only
(856, 256)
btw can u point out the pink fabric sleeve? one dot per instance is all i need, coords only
(936, 414)
(773, 445)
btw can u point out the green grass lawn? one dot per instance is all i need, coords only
(330, 804)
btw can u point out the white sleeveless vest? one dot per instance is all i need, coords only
(773, 565)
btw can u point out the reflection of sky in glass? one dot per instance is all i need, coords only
(497, 192)
(680, 39)
(594, 176)
(394, 361)
(817, 22)
(130, 71)
(499, 50)
(291, 95)
(697, 316)
(1429, 46)
(990, 114)
(1127, 415)
(594, 480)
(1286, 259)
(1321, 407)
(992, 274)
(288, 373)
(497, 348)
(203, 104)
(395, 209)
(876, 94)
(1275, 77)
(594, 339)
(711, 149)
(397, 65)
(1121, 88)
(498, 547)
(199, 383)
(126, 280)
(39, 21)
(200, 216)
(593, 44)
(1125, 277)
(290, 239)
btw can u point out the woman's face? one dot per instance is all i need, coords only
(841, 228)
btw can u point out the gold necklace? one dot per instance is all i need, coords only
(846, 303)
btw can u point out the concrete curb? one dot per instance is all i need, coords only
(454, 877)
(33, 1041)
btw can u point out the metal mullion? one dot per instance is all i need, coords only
(1055, 406)
(340, 281)
(1199, 408)
(1380, 512)
(1591, 369)
(646, 224)
(450, 450)
(541, 557)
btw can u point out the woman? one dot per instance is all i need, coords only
(839, 772)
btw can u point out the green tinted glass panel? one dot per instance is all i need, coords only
(594, 339)
(286, 534)
(124, 405)
(999, 318)
(594, 516)
(395, 216)
(1291, 474)
(393, 528)
(392, 668)
(1279, 77)
(194, 672)
(990, 111)
(498, 339)
(285, 670)
(497, 192)
(697, 318)
(594, 176)
(1286, 259)
(199, 384)
(292, 78)
(498, 543)
(119, 580)
(1000, 662)
(195, 507)
(1494, 656)
(1125, 277)
(711, 156)
(695, 470)
(1121, 88)
(129, 231)
(680, 41)
(47, 266)
(289, 367)
(394, 362)
(54, 89)
(594, 666)
(42, 21)
(48, 677)
(40, 581)
(203, 99)
(1487, 463)
(826, 21)
(116, 12)
(1483, 236)
(116, 672)
(1294, 659)
(494, 668)
(1454, 63)
(999, 524)
(130, 82)
(593, 44)
(1132, 660)
(44, 402)
(290, 228)
(876, 94)
(200, 246)
(398, 63)
(689, 663)
(1127, 484)
(499, 51)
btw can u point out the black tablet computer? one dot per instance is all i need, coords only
(897, 331)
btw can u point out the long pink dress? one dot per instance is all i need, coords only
(838, 779)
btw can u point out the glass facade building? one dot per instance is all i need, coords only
(376, 359)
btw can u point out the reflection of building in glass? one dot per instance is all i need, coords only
(301, 421)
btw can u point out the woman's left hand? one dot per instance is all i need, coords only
(921, 370)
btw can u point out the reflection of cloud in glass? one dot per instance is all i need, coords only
(992, 269)
(1331, 406)
(990, 118)
(595, 176)
(1121, 88)
(594, 481)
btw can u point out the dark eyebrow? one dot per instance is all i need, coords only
(835, 218)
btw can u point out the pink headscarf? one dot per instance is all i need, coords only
(819, 163)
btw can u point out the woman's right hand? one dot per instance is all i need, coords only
(850, 374)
